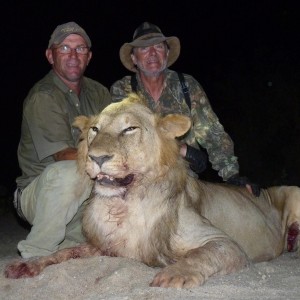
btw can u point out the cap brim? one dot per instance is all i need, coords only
(61, 38)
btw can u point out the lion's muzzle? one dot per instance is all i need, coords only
(100, 160)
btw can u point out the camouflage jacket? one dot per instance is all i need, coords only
(206, 129)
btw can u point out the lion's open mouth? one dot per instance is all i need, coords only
(104, 179)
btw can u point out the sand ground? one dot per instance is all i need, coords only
(119, 278)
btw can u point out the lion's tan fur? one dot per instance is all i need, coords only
(161, 177)
(145, 206)
(166, 185)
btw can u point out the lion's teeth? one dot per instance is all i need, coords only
(101, 176)
(109, 177)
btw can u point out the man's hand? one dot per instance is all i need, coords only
(66, 154)
(196, 158)
(253, 188)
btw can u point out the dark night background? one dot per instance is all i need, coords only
(244, 53)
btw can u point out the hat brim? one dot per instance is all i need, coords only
(126, 50)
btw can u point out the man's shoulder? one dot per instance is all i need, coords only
(124, 80)
(45, 85)
(120, 88)
(93, 86)
(190, 81)
(175, 75)
(93, 83)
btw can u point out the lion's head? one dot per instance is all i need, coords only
(127, 143)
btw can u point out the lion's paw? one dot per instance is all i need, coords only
(171, 277)
(21, 269)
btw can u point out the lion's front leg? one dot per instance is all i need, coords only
(34, 266)
(215, 258)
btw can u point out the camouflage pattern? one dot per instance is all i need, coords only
(206, 129)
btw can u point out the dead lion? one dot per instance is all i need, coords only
(145, 206)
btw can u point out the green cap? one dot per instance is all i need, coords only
(63, 30)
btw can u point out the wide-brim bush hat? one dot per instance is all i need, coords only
(63, 30)
(146, 35)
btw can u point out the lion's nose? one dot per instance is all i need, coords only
(100, 160)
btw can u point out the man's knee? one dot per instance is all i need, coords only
(64, 167)
(64, 172)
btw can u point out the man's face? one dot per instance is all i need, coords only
(69, 66)
(152, 60)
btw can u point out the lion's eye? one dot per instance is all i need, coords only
(128, 129)
(95, 129)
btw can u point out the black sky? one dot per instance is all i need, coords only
(244, 53)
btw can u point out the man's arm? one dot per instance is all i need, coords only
(196, 157)
(210, 134)
(66, 154)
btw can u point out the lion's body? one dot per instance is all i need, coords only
(145, 206)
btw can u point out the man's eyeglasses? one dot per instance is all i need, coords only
(65, 49)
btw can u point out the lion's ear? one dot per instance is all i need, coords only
(174, 125)
(81, 122)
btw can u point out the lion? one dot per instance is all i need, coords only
(145, 205)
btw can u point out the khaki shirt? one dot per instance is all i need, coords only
(48, 113)
(206, 128)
